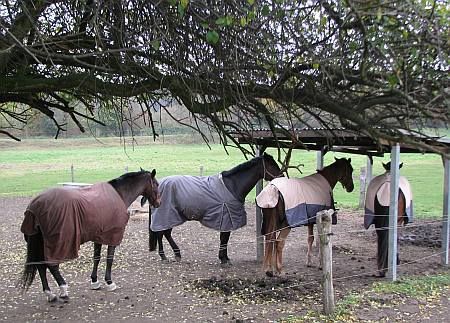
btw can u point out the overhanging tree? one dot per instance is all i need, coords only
(377, 67)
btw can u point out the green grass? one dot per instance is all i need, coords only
(31, 166)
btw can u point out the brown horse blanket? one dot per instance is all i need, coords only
(68, 218)
(380, 186)
(303, 198)
(201, 198)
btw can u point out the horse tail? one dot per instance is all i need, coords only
(152, 238)
(274, 218)
(35, 254)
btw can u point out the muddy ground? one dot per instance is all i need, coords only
(198, 289)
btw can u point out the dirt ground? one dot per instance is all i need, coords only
(198, 289)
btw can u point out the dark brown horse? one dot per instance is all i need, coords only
(217, 202)
(59, 220)
(295, 202)
(380, 216)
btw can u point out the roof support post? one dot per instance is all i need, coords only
(259, 237)
(393, 212)
(369, 171)
(320, 155)
(445, 219)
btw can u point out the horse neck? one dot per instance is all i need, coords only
(329, 173)
(129, 189)
(240, 181)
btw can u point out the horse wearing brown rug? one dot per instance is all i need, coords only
(292, 202)
(59, 220)
(216, 201)
(377, 212)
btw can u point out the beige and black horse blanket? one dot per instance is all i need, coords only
(68, 218)
(303, 198)
(380, 187)
(197, 198)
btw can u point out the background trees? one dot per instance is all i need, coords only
(378, 67)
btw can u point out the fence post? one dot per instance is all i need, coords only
(362, 187)
(324, 228)
(72, 175)
(201, 170)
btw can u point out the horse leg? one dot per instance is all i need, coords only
(110, 286)
(382, 229)
(159, 238)
(42, 269)
(310, 244)
(95, 284)
(281, 241)
(223, 249)
(168, 234)
(54, 270)
(269, 253)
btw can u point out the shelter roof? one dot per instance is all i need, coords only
(337, 139)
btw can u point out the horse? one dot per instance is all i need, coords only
(216, 201)
(291, 202)
(59, 220)
(377, 212)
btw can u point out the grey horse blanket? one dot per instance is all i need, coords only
(68, 218)
(380, 186)
(303, 198)
(201, 198)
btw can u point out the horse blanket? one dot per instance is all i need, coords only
(201, 198)
(380, 186)
(303, 198)
(68, 218)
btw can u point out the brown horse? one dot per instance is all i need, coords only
(59, 220)
(294, 202)
(378, 192)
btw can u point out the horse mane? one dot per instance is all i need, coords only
(241, 167)
(126, 177)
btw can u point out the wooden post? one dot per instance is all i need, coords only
(72, 175)
(393, 212)
(362, 187)
(445, 218)
(259, 237)
(324, 228)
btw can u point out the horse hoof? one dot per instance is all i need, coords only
(269, 273)
(64, 299)
(52, 298)
(165, 261)
(177, 258)
(96, 285)
(111, 287)
(226, 264)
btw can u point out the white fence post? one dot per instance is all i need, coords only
(393, 212)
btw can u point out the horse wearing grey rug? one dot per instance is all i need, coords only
(215, 201)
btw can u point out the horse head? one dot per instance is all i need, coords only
(270, 167)
(151, 191)
(345, 173)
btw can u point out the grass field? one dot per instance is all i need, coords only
(31, 166)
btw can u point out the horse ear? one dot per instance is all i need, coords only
(153, 173)
(400, 166)
(349, 160)
(335, 158)
(141, 169)
(143, 200)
